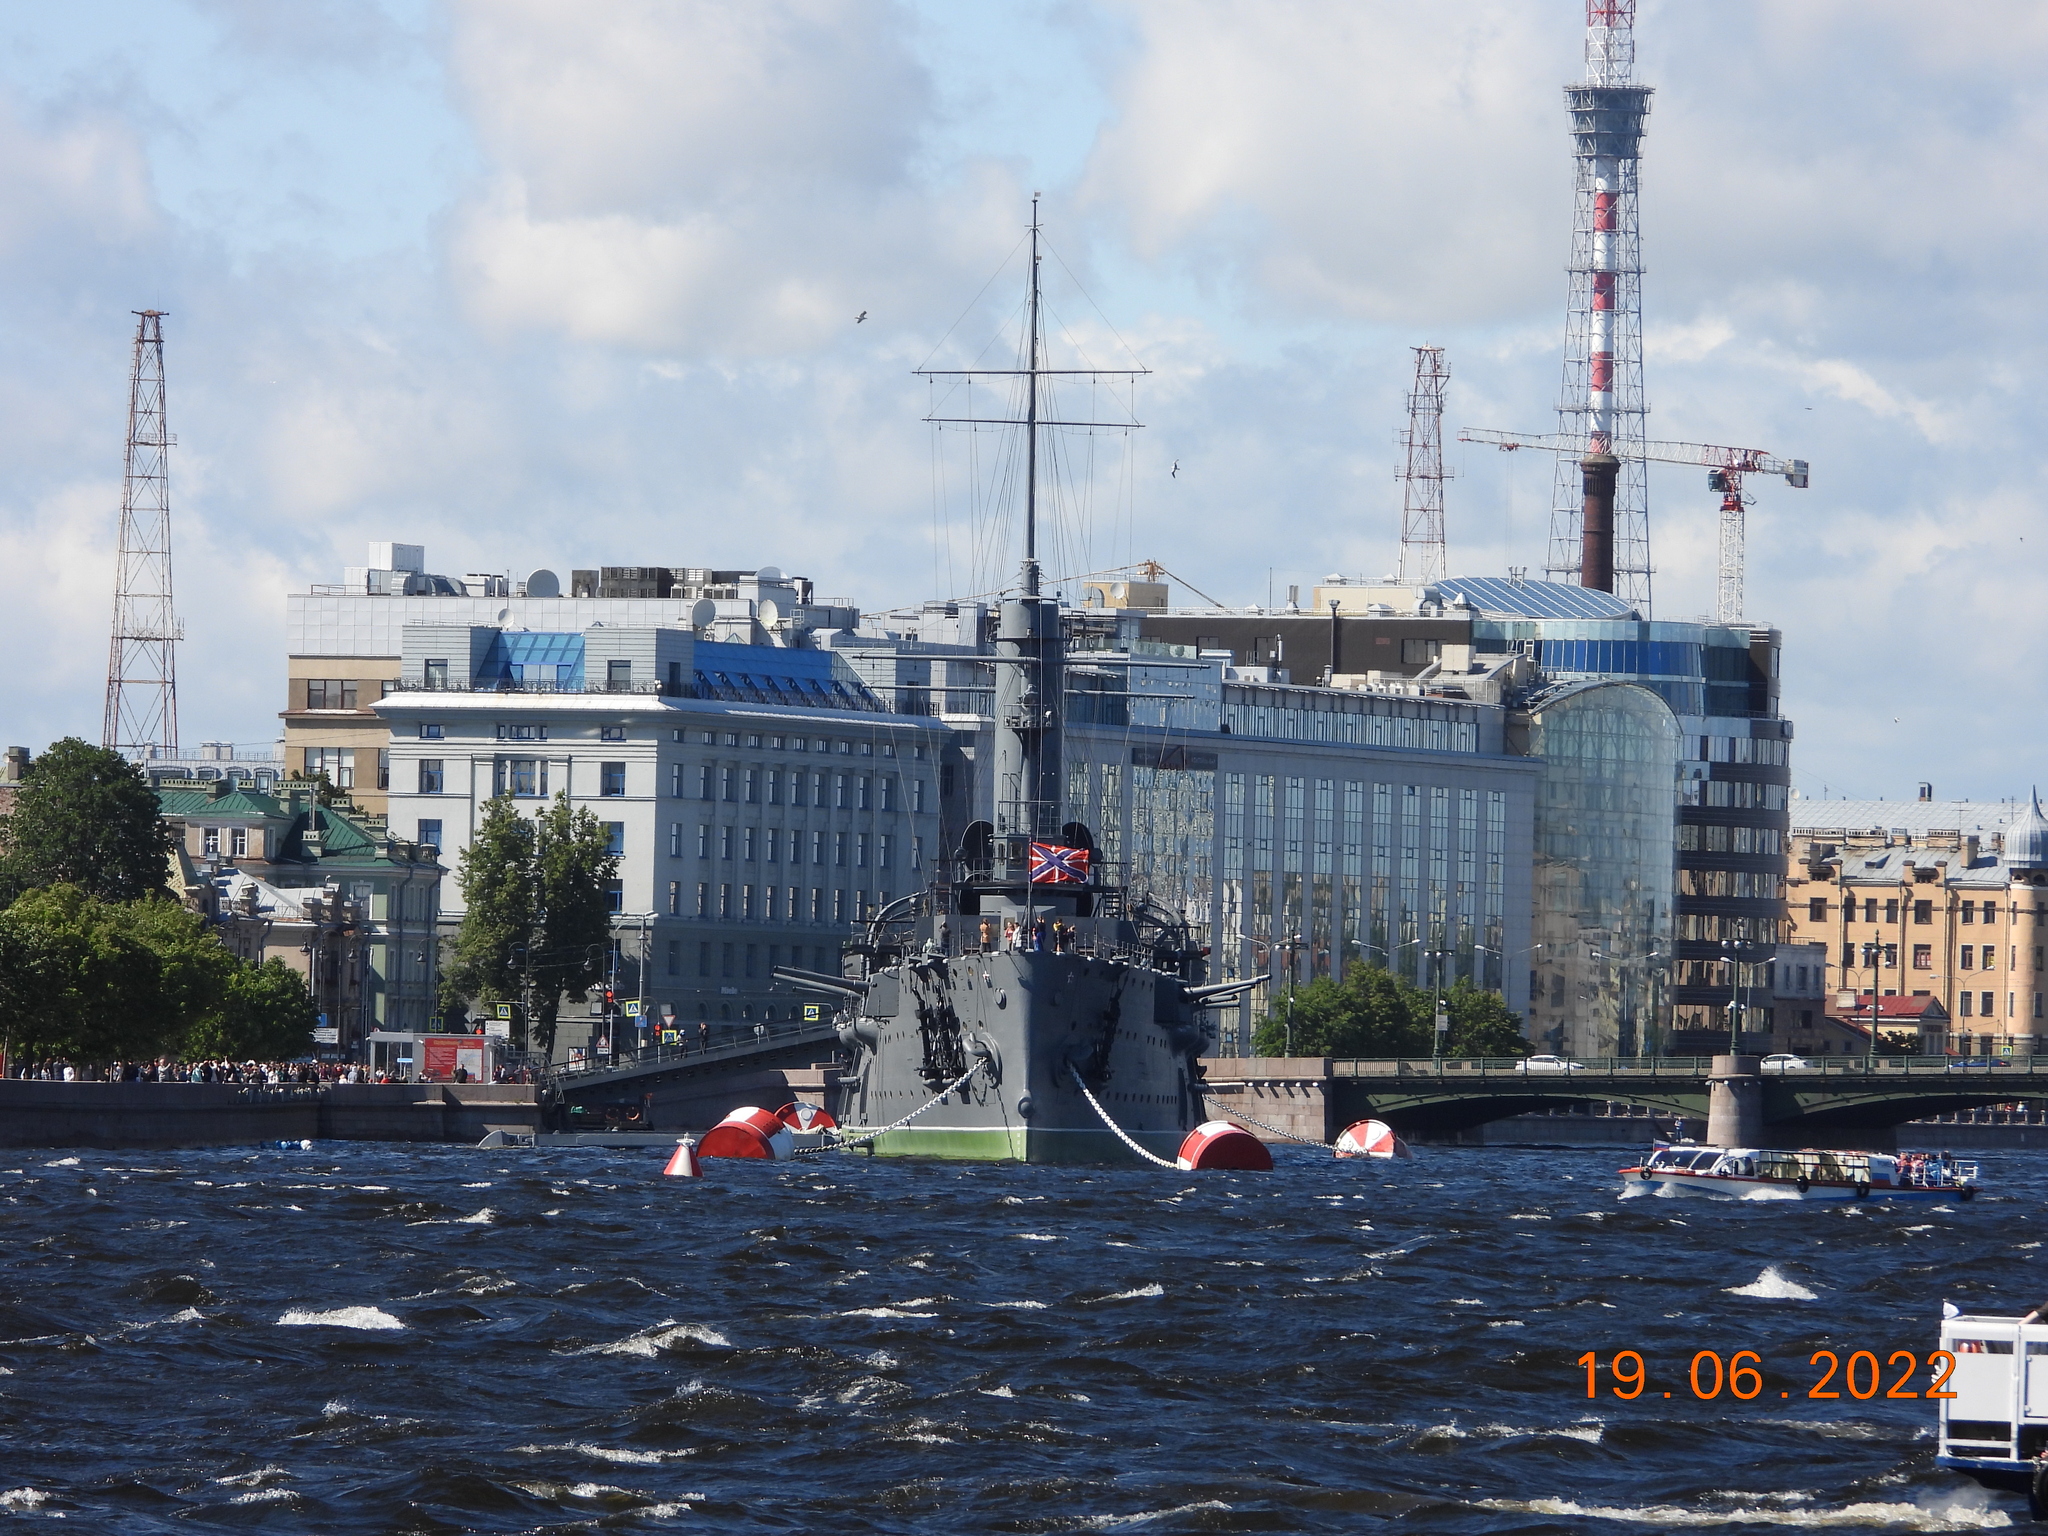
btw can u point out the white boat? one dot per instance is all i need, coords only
(1751, 1173)
(1994, 1427)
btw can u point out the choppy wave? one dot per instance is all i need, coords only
(373, 1319)
(662, 1337)
(1773, 1286)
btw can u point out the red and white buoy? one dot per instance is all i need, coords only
(805, 1117)
(748, 1132)
(683, 1163)
(1370, 1138)
(1221, 1144)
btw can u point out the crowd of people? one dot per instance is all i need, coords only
(260, 1074)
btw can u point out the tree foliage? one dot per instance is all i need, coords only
(537, 911)
(1374, 1013)
(84, 816)
(97, 981)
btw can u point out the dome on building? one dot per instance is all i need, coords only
(2026, 840)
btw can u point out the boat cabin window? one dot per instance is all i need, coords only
(1983, 1346)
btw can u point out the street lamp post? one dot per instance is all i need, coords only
(1443, 1014)
(1734, 949)
(1873, 956)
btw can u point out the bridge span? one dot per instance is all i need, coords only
(1840, 1099)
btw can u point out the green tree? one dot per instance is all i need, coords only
(501, 907)
(96, 992)
(537, 910)
(1373, 1013)
(264, 1013)
(575, 868)
(85, 817)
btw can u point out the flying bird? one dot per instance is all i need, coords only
(860, 317)
(1176, 470)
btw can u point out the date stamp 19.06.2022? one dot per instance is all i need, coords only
(1743, 1375)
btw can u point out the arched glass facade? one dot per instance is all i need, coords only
(1605, 867)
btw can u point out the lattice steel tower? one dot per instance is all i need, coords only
(142, 680)
(1423, 557)
(1600, 518)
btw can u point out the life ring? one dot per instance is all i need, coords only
(1645, 1175)
(1862, 1191)
(1966, 1193)
(1804, 1183)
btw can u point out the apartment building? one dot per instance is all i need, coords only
(1928, 899)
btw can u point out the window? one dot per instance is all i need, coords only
(1990, 911)
(771, 837)
(611, 778)
(675, 679)
(747, 844)
(431, 780)
(725, 959)
(238, 842)
(614, 837)
(513, 731)
(840, 791)
(675, 907)
(1817, 909)
(1923, 957)
(725, 902)
(1969, 911)
(746, 903)
(882, 851)
(1969, 954)
(675, 839)
(866, 783)
(618, 675)
(1870, 909)
(383, 767)
(435, 671)
(430, 831)
(817, 847)
(1891, 911)
(615, 896)
(1965, 1000)
(917, 853)
(839, 849)
(703, 840)
(753, 791)
(675, 781)
(209, 841)
(775, 786)
(611, 733)
(917, 794)
(1848, 959)
(703, 959)
(523, 778)
(704, 782)
(1985, 1005)
(860, 850)
(725, 843)
(1923, 911)
(817, 905)
(675, 957)
(431, 730)
(703, 902)
(330, 693)
(338, 763)
(725, 783)
(768, 894)
(1891, 957)
(1990, 958)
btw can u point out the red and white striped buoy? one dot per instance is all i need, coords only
(805, 1117)
(748, 1132)
(1370, 1138)
(683, 1163)
(1220, 1144)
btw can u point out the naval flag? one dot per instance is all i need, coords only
(1052, 864)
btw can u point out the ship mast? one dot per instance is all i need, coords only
(1030, 661)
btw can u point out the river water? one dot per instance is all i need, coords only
(385, 1339)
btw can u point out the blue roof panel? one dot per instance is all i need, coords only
(1534, 599)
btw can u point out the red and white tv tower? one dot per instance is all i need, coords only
(1600, 518)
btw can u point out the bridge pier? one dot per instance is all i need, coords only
(1735, 1102)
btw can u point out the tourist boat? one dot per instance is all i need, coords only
(1994, 1425)
(1748, 1173)
(1026, 1006)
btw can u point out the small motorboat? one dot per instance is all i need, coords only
(1749, 1173)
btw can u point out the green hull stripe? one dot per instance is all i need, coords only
(1021, 1144)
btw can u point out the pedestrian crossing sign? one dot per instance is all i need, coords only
(812, 1013)
(504, 1010)
(632, 1007)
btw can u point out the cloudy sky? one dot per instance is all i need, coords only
(542, 283)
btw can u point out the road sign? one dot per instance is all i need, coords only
(812, 1013)
(327, 1036)
(504, 1010)
(632, 1007)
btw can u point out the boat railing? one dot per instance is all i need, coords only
(1819, 1068)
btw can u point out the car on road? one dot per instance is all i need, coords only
(1784, 1061)
(1977, 1063)
(1545, 1063)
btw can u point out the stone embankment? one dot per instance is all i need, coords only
(40, 1114)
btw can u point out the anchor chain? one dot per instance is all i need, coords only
(1122, 1136)
(863, 1140)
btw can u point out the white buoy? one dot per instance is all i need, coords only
(683, 1163)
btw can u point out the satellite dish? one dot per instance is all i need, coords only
(768, 613)
(504, 614)
(543, 583)
(769, 574)
(702, 612)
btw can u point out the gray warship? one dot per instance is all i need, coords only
(975, 1012)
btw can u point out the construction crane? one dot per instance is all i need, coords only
(1725, 469)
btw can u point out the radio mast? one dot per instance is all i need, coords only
(1423, 555)
(142, 682)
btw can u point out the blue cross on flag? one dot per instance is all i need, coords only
(1052, 864)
